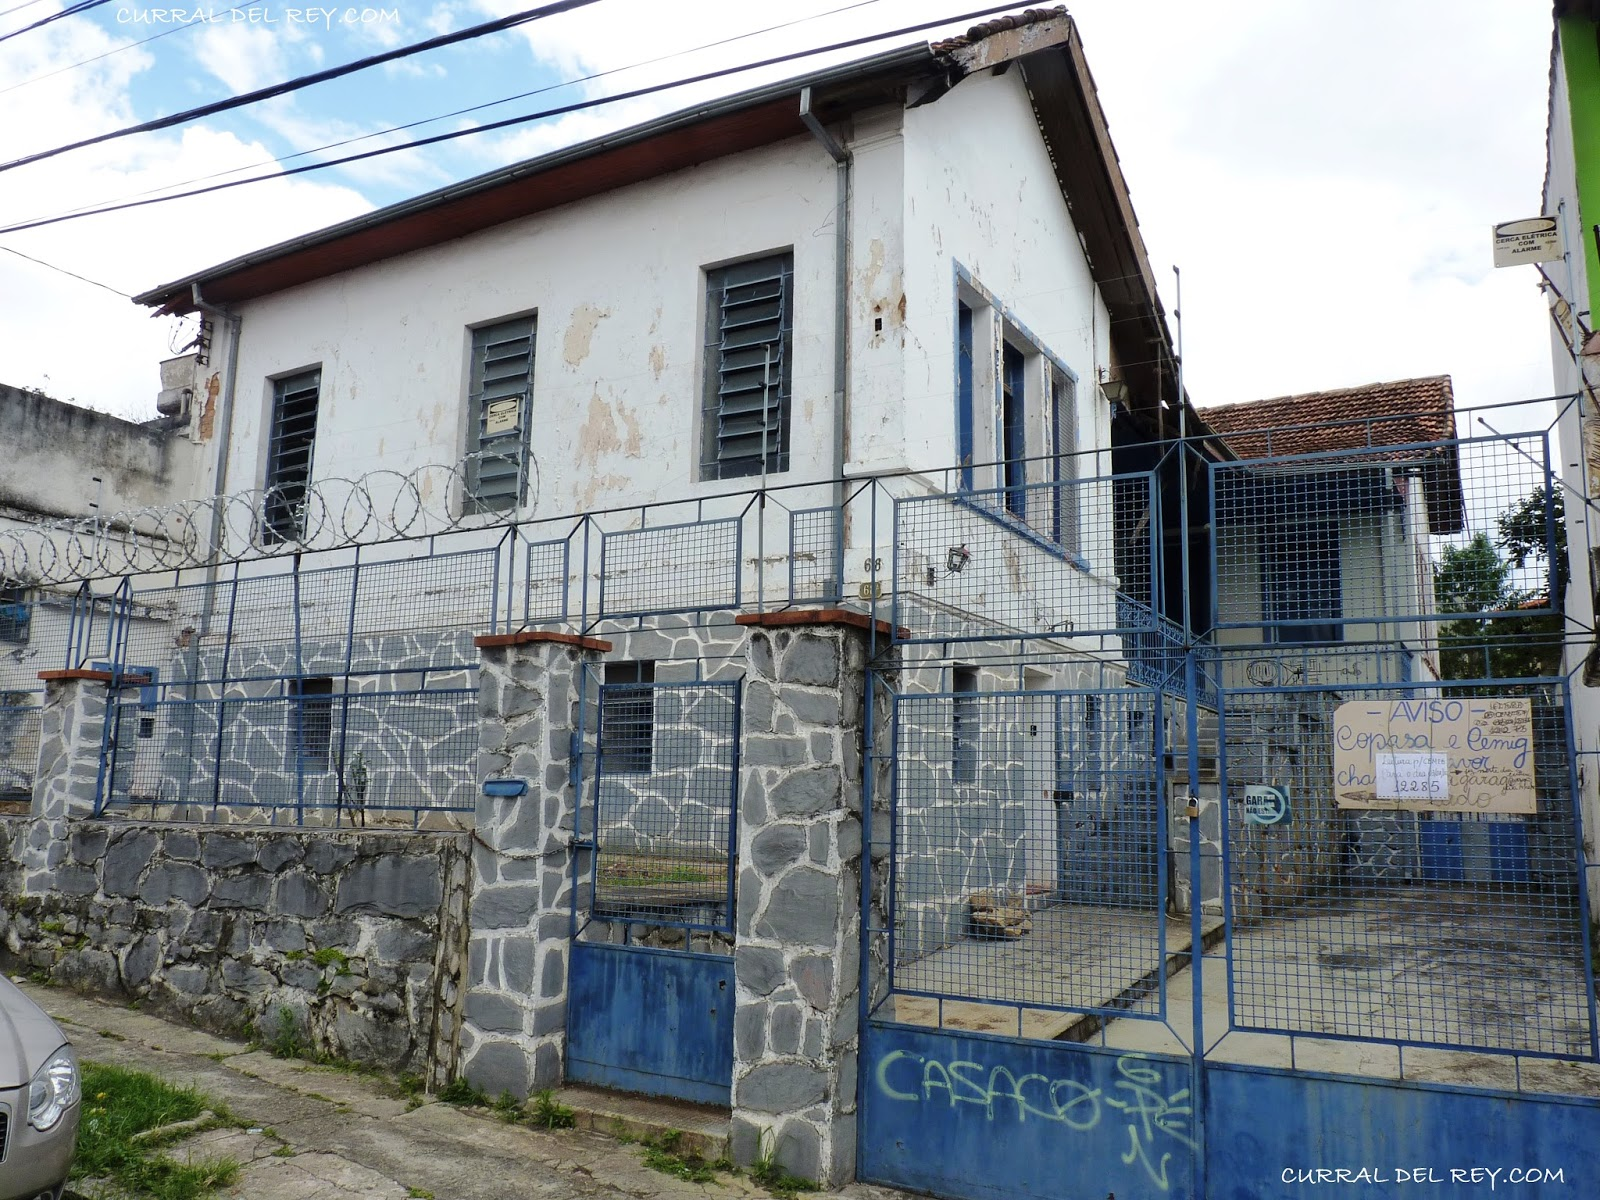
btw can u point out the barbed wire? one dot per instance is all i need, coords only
(327, 514)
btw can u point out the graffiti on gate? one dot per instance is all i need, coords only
(1147, 1113)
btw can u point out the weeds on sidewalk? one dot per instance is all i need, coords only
(766, 1172)
(119, 1104)
(550, 1113)
(665, 1153)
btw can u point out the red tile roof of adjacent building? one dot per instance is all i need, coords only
(1404, 412)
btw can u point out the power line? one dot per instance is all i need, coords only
(71, 10)
(303, 81)
(114, 50)
(562, 110)
(649, 62)
(64, 271)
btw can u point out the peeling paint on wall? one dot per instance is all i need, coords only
(580, 334)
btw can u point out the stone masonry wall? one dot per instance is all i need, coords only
(359, 935)
(797, 962)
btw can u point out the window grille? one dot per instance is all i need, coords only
(16, 613)
(311, 723)
(291, 437)
(964, 724)
(628, 718)
(1301, 595)
(749, 329)
(499, 403)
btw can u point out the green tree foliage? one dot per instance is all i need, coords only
(1478, 578)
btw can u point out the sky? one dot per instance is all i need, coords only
(1325, 175)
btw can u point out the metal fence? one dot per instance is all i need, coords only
(658, 809)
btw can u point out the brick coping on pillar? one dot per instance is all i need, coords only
(94, 676)
(818, 616)
(525, 637)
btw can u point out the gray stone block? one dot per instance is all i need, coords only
(811, 659)
(498, 1067)
(175, 881)
(87, 845)
(402, 944)
(803, 909)
(494, 1013)
(553, 978)
(392, 886)
(776, 847)
(759, 969)
(139, 961)
(749, 1032)
(808, 793)
(813, 976)
(799, 1149)
(74, 881)
(297, 894)
(814, 708)
(221, 851)
(284, 936)
(93, 971)
(325, 856)
(363, 1039)
(785, 1027)
(780, 1088)
(241, 976)
(744, 1141)
(505, 907)
(546, 1066)
(126, 860)
(182, 845)
(191, 981)
(250, 891)
(278, 852)
(775, 751)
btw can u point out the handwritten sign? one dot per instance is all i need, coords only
(1435, 755)
(1265, 805)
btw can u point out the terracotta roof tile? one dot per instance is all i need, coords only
(1404, 412)
(1031, 16)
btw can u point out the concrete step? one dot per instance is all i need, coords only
(622, 1114)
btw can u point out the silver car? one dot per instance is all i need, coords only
(39, 1094)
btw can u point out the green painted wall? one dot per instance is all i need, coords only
(1580, 56)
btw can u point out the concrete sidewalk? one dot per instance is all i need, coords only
(318, 1132)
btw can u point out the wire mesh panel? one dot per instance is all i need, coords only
(20, 726)
(358, 755)
(1421, 885)
(814, 555)
(1002, 563)
(545, 588)
(1326, 548)
(1028, 846)
(662, 805)
(670, 568)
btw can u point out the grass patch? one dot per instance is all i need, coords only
(329, 956)
(766, 1172)
(119, 1103)
(459, 1091)
(417, 1193)
(665, 1153)
(110, 1035)
(549, 1113)
(507, 1106)
(286, 1039)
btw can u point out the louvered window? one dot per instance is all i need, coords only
(1064, 436)
(498, 408)
(291, 437)
(749, 328)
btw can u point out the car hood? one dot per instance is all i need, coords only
(27, 1036)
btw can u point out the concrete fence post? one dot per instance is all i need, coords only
(530, 689)
(797, 957)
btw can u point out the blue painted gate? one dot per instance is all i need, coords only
(651, 991)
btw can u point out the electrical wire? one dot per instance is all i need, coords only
(649, 62)
(71, 10)
(303, 81)
(96, 58)
(64, 271)
(596, 102)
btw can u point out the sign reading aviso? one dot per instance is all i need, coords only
(1444, 755)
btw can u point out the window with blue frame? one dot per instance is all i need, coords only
(965, 436)
(1302, 599)
(16, 612)
(1014, 431)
